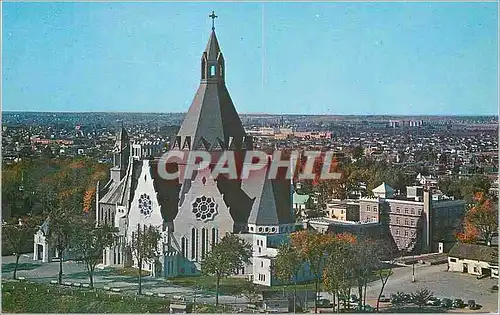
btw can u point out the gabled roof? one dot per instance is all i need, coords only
(271, 200)
(300, 199)
(383, 188)
(475, 252)
(45, 226)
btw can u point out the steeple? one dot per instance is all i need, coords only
(212, 61)
(211, 121)
(121, 154)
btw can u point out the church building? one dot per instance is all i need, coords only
(194, 213)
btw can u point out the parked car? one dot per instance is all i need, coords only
(434, 301)
(472, 305)
(384, 298)
(458, 303)
(494, 288)
(446, 303)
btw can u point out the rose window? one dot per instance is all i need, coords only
(204, 208)
(145, 205)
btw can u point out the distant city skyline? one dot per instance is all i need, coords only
(393, 59)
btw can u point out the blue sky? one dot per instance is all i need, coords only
(297, 58)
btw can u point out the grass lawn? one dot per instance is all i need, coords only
(227, 285)
(234, 285)
(44, 298)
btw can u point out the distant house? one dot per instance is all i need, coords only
(301, 202)
(474, 259)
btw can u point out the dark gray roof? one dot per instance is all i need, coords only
(168, 191)
(45, 226)
(212, 115)
(115, 194)
(272, 202)
(475, 252)
(213, 48)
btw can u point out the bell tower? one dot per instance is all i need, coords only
(212, 61)
(212, 122)
(121, 154)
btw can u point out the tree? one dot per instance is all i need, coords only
(89, 242)
(365, 261)
(16, 234)
(226, 257)
(312, 248)
(61, 229)
(287, 265)
(421, 297)
(357, 152)
(338, 272)
(249, 291)
(399, 299)
(144, 247)
(480, 222)
(384, 275)
(484, 217)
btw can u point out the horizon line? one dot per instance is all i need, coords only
(252, 114)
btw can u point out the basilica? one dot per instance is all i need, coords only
(194, 213)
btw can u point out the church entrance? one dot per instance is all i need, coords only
(39, 250)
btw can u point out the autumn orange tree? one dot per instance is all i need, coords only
(480, 222)
(57, 188)
(312, 248)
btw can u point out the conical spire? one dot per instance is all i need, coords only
(211, 118)
(213, 48)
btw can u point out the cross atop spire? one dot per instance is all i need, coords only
(213, 16)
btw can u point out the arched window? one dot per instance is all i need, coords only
(183, 247)
(203, 241)
(203, 68)
(212, 70)
(213, 236)
(193, 243)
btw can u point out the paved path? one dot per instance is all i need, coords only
(75, 272)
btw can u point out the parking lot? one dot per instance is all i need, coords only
(442, 283)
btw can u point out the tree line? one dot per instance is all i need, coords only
(337, 262)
